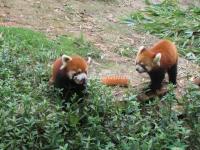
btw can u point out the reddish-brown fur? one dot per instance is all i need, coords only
(156, 61)
(69, 74)
(168, 51)
(115, 80)
(166, 48)
(74, 65)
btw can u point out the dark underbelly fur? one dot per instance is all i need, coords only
(69, 88)
(158, 75)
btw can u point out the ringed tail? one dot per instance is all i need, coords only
(115, 80)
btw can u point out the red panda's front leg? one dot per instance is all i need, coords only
(172, 73)
(156, 77)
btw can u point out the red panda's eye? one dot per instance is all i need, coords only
(143, 66)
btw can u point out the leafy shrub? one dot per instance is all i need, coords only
(31, 116)
(168, 20)
(191, 102)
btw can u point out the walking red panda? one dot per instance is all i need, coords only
(156, 61)
(70, 75)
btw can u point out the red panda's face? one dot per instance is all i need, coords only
(76, 68)
(146, 61)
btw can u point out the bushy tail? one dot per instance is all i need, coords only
(115, 80)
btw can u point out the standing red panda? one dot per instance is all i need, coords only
(158, 60)
(70, 75)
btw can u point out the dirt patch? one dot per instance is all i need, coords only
(99, 22)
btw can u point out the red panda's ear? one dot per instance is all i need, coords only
(89, 60)
(157, 59)
(65, 59)
(141, 49)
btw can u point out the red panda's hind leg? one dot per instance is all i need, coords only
(172, 73)
(156, 77)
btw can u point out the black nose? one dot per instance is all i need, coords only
(83, 81)
(137, 69)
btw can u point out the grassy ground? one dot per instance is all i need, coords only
(100, 23)
(31, 116)
(169, 20)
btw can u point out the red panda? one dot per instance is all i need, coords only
(115, 80)
(156, 61)
(70, 75)
(196, 81)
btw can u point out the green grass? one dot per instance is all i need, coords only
(168, 20)
(29, 42)
(31, 116)
(107, 0)
(126, 51)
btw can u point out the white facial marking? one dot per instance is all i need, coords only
(141, 69)
(148, 68)
(70, 74)
(79, 79)
(136, 61)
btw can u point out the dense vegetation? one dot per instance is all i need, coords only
(31, 116)
(168, 20)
